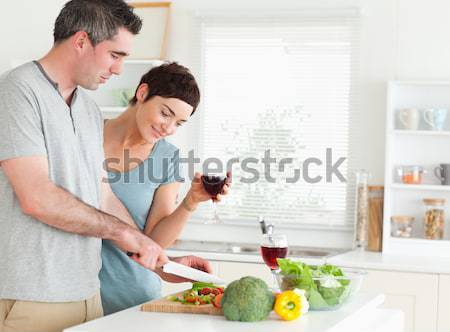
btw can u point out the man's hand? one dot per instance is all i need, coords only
(142, 249)
(191, 261)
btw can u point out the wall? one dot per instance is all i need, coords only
(402, 39)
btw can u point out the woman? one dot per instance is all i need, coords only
(143, 171)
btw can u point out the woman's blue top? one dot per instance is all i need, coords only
(125, 283)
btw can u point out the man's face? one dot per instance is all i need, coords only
(97, 64)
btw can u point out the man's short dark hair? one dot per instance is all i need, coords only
(171, 80)
(100, 19)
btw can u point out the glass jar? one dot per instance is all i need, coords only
(410, 174)
(361, 209)
(401, 226)
(434, 218)
(375, 226)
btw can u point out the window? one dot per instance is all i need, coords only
(287, 86)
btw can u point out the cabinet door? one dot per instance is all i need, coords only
(444, 304)
(416, 294)
(171, 288)
(231, 271)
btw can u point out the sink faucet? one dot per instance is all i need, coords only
(265, 228)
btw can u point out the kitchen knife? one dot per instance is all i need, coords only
(190, 273)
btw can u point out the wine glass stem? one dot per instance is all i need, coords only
(274, 280)
(216, 216)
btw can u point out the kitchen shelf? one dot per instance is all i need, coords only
(423, 147)
(426, 187)
(421, 132)
(111, 112)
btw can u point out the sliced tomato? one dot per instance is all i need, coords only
(204, 291)
(217, 300)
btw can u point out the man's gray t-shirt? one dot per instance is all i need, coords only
(39, 262)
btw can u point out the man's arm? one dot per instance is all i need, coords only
(41, 199)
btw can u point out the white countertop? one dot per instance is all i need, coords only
(360, 314)
(351, 259)
(401, 263)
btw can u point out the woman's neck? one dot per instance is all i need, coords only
(126, 131)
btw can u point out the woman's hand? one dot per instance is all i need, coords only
(191, 261)
(198, 194)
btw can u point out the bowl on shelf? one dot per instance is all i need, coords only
(324, 292)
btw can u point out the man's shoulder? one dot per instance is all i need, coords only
(19, 78)
(20, 74)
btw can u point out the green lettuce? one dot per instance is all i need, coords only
(324, 293)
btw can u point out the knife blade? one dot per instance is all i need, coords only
(190, 273)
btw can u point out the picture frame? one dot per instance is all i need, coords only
(151, 42)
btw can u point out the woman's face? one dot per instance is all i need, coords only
(159, 117)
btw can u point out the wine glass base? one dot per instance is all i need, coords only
(213, 222)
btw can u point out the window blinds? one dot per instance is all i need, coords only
(287, 84)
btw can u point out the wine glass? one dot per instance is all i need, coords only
(273, 246)
(213, 184)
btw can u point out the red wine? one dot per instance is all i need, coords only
(270, 255)
(213, 184)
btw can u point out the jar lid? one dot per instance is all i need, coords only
(402, 219)
(434, 201)
(412, 168)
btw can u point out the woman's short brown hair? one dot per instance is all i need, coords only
(171, 80)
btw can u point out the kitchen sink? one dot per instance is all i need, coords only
(250, 249)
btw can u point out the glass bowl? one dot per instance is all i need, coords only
(325, 292)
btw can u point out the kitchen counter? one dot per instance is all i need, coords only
(359, 315)
(389, 262)
(352, 259)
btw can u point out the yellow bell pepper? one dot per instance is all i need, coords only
(288, 305)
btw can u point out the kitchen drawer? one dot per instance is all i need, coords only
(444, 304)
(416, 294)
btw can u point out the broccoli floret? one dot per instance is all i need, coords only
(247, 300)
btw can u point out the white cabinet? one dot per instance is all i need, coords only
(109, 96)
(416, 294)
(421, 145)
(444, 304)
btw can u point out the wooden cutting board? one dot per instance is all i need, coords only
(165, 305)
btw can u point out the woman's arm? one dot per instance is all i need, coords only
(165, 220)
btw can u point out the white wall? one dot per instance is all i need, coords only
(402, 39)
(26, 29)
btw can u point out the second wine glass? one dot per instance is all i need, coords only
(273, 246)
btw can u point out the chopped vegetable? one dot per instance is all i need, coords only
(217, 301)
(201, 293)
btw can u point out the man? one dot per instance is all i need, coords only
(50, 174)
